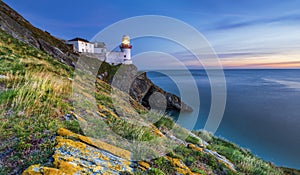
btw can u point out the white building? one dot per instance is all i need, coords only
(98, 50)
(82, 45)
(99, 47)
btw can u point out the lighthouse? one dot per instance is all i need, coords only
(126, 49)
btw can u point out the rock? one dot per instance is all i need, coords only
(3, 77)
(141, 88)
(38, 170)
(97, 143)
(77, 154)
(144, 165)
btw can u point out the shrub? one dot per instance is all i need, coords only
(205, 135)
(197, 170)
(165, 122)
(155, 171)
(192, 139)
(164, 165)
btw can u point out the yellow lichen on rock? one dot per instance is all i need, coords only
(52, 171)
(77, 154)
(62, 141)
(38, 170)
(97, 143)
(69, 167)
(195, 148)
(107, 147)
(33, 170)
(144, 165)
(80, 119)
(65, 132)
(157, 131)
(180, 167)
(103, 109)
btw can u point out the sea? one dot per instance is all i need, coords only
(262, 110)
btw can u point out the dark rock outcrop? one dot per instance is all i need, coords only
(14, 24)
(143, 90)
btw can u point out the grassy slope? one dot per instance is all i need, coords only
(33, 100)
(36, 94)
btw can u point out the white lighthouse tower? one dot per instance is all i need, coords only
(126, 49)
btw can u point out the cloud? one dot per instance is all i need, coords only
(223, 25)
(278, 65)
(244, 54)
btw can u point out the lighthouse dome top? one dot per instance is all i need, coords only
(126, 40)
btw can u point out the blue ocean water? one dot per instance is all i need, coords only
(262, 109)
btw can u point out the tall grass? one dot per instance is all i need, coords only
(39, 93)
(34, 96)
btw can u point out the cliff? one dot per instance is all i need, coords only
(14, 24)
(141, 88)
(46, 130)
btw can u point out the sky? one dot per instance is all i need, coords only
(244, 34)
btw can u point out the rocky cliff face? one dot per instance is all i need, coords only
(15, 25)
(143, 90)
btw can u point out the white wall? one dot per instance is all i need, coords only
(99, 50)
(127, 54)
(115, 57)
(81, 46)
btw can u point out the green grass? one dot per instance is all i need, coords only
(34, 99)
(244, 161)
